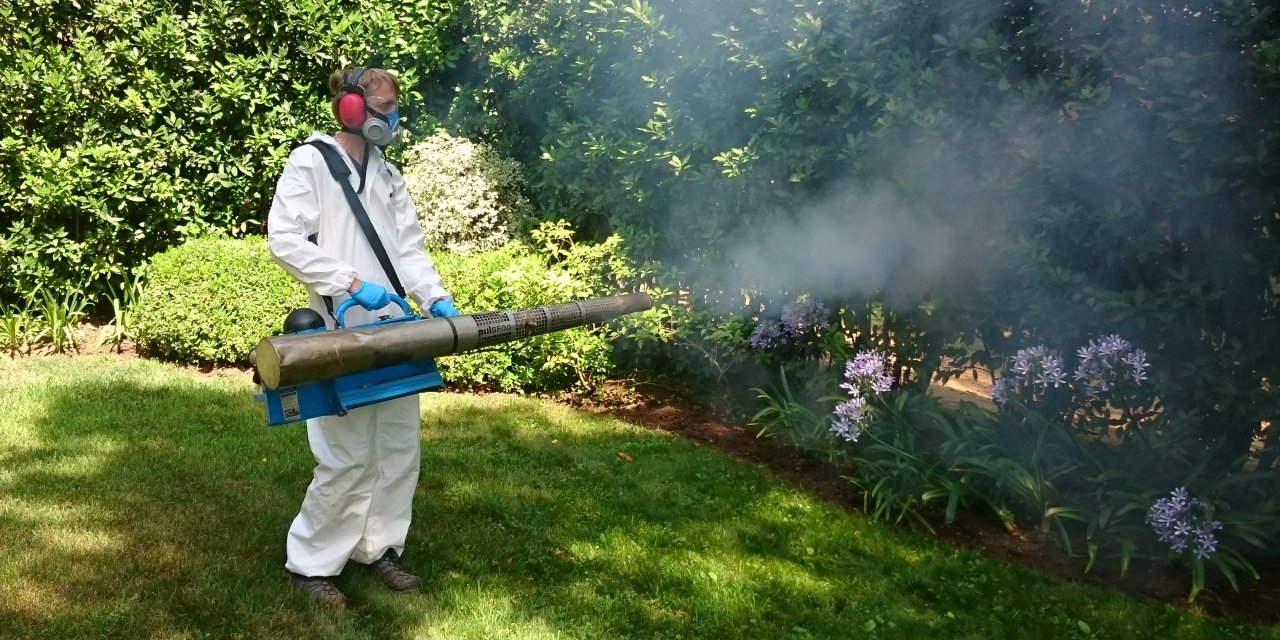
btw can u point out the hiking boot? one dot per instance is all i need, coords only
(393, 574)
(321, 589)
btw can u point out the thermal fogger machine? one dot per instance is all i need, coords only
(310, 371)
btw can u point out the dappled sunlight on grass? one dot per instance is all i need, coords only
(715, 582)
(32, 600)
(665, 536)
(76, 542)
(125, 505)
(141, 500)
(485, 613)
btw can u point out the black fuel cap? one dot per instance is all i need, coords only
(300, 320)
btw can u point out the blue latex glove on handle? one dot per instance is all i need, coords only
(371, 296)
(442, 308)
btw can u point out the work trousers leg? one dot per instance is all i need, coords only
(360, 500)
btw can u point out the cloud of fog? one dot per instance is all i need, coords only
(852, 240)
(874, 236)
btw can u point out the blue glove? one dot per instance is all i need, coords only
(371, 296)
(442, 308)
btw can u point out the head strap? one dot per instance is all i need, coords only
(352, 83)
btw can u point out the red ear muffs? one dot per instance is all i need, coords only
(351, 110)
(351, 105)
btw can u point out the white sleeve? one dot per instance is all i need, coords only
(294, 217)
(421, 281)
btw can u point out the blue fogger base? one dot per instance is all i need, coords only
(339, 395)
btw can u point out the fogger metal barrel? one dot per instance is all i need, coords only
(299, 358)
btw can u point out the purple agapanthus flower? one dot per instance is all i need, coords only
(1037, 369)
(804, 317)
(865, 377)
(1185, 523)
(1000, 390)
(767, 335)
(850, 416)
(1108, 360)
(867, 368)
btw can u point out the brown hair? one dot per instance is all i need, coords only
(368, 78)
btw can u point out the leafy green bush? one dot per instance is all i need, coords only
(135, 125)
(211, 300)
(468, 197)
(549, 269)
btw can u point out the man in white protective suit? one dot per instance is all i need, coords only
(360, 499)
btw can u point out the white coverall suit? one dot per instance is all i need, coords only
(360, 499)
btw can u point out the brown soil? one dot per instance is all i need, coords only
(671, 409)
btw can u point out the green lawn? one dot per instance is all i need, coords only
(141, 500)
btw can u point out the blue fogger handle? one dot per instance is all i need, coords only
(342, 308)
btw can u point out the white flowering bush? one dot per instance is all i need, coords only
(468, 197)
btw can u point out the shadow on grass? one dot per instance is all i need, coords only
(137, 500)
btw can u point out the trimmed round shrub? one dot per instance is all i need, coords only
(211, 300)
(468, 197)
(516, 276)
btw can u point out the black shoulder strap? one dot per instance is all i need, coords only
(338, 168)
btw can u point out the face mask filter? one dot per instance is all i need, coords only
(382, 130)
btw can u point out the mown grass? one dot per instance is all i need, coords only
(140, 500)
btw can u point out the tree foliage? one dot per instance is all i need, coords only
(998, 173)
(131, 126)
